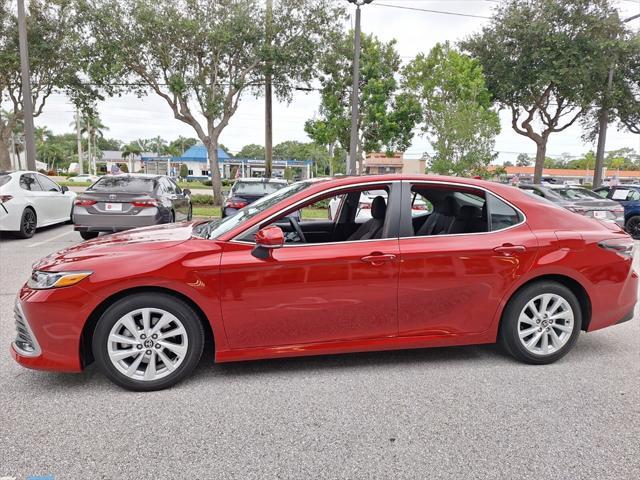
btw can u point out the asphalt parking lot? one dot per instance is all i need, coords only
(459, 413)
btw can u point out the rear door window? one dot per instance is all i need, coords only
(29, 182)
(501, 214)
(47, 184)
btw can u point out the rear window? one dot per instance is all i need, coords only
(256, 188)
(576, 194)
(124, 184)
(4, 179)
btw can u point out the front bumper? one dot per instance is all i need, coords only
(53, 319)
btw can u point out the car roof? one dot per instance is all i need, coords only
(134, 175)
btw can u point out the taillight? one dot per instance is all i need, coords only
(5, 198)
(365, 206)
(236, 203)
(419, 207)
(621, 246)
(144, 203)
(85, 203)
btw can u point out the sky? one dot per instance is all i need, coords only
(129, 118)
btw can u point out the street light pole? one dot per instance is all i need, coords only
(27, 101)
(604, 122)
(353, 143)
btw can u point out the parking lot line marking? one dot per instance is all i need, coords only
(37, 244)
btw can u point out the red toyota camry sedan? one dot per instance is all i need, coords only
(478, 262)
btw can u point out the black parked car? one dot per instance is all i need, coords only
(579, 200)
(247, 190)
(121, 202)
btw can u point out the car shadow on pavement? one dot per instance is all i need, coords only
(428, 356)
(39, 231)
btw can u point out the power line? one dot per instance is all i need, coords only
(402, 7)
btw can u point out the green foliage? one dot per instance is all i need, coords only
(456, 108)
(251, 151)
(182, 144)
(544, 60)
(201, 199)
(124, 168)
(523, 160)
(387, 115)
(205, 53)
(55, 57)
(184, 170)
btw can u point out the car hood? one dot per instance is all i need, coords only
(131, 242)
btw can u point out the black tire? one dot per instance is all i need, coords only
(187, 316)
(89, 235)
(509, 326)
(28, 223)
(70, 216)
(633, 227)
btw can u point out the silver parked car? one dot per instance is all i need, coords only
(120, 202)
(579, 200)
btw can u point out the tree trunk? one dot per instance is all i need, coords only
(5, 147)
(216, 181)
(541, 152)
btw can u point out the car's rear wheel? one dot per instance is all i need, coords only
(89, 235)
(541, 323)
(633, 227)
(148, 341)
(28, 223)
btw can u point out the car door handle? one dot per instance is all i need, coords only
(377, 259)
(508, 249)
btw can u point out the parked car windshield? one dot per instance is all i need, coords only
(4, 179)
(124, 184)
(576, 194)
(219, 227)
(256, 188)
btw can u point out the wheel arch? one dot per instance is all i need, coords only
(572, 284)
(86, 338)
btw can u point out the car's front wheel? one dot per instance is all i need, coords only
(148, 341)
(541, 323)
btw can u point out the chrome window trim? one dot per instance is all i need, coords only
(319, 194)
(36, 346)
(431, 182)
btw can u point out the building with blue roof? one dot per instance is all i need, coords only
(197, 161)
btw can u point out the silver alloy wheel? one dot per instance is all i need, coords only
(545, 324)
(147, 344)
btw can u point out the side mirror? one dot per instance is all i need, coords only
(186, 191)
(267, 239)
(64, 188)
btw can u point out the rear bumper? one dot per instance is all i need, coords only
(86, 222)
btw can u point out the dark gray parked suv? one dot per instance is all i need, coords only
(121, 202)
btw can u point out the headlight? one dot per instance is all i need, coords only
(42, 280)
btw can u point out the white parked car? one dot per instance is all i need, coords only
(85, 177)
(30, 200)
(418, 206)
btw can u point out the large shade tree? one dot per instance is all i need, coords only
(387, 115)
(55, 57)
(202, 56)
(456, 107)
(543, 60)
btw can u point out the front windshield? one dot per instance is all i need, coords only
(216, 228)
(575, 193)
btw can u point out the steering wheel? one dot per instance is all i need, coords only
(296, 226)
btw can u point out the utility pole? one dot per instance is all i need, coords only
(604, 122)
(268, 97)
(27, 100)
(353, 143)
(79, 138)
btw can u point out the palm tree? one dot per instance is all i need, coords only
(41, 134)
(129, 151)
(93, 127)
